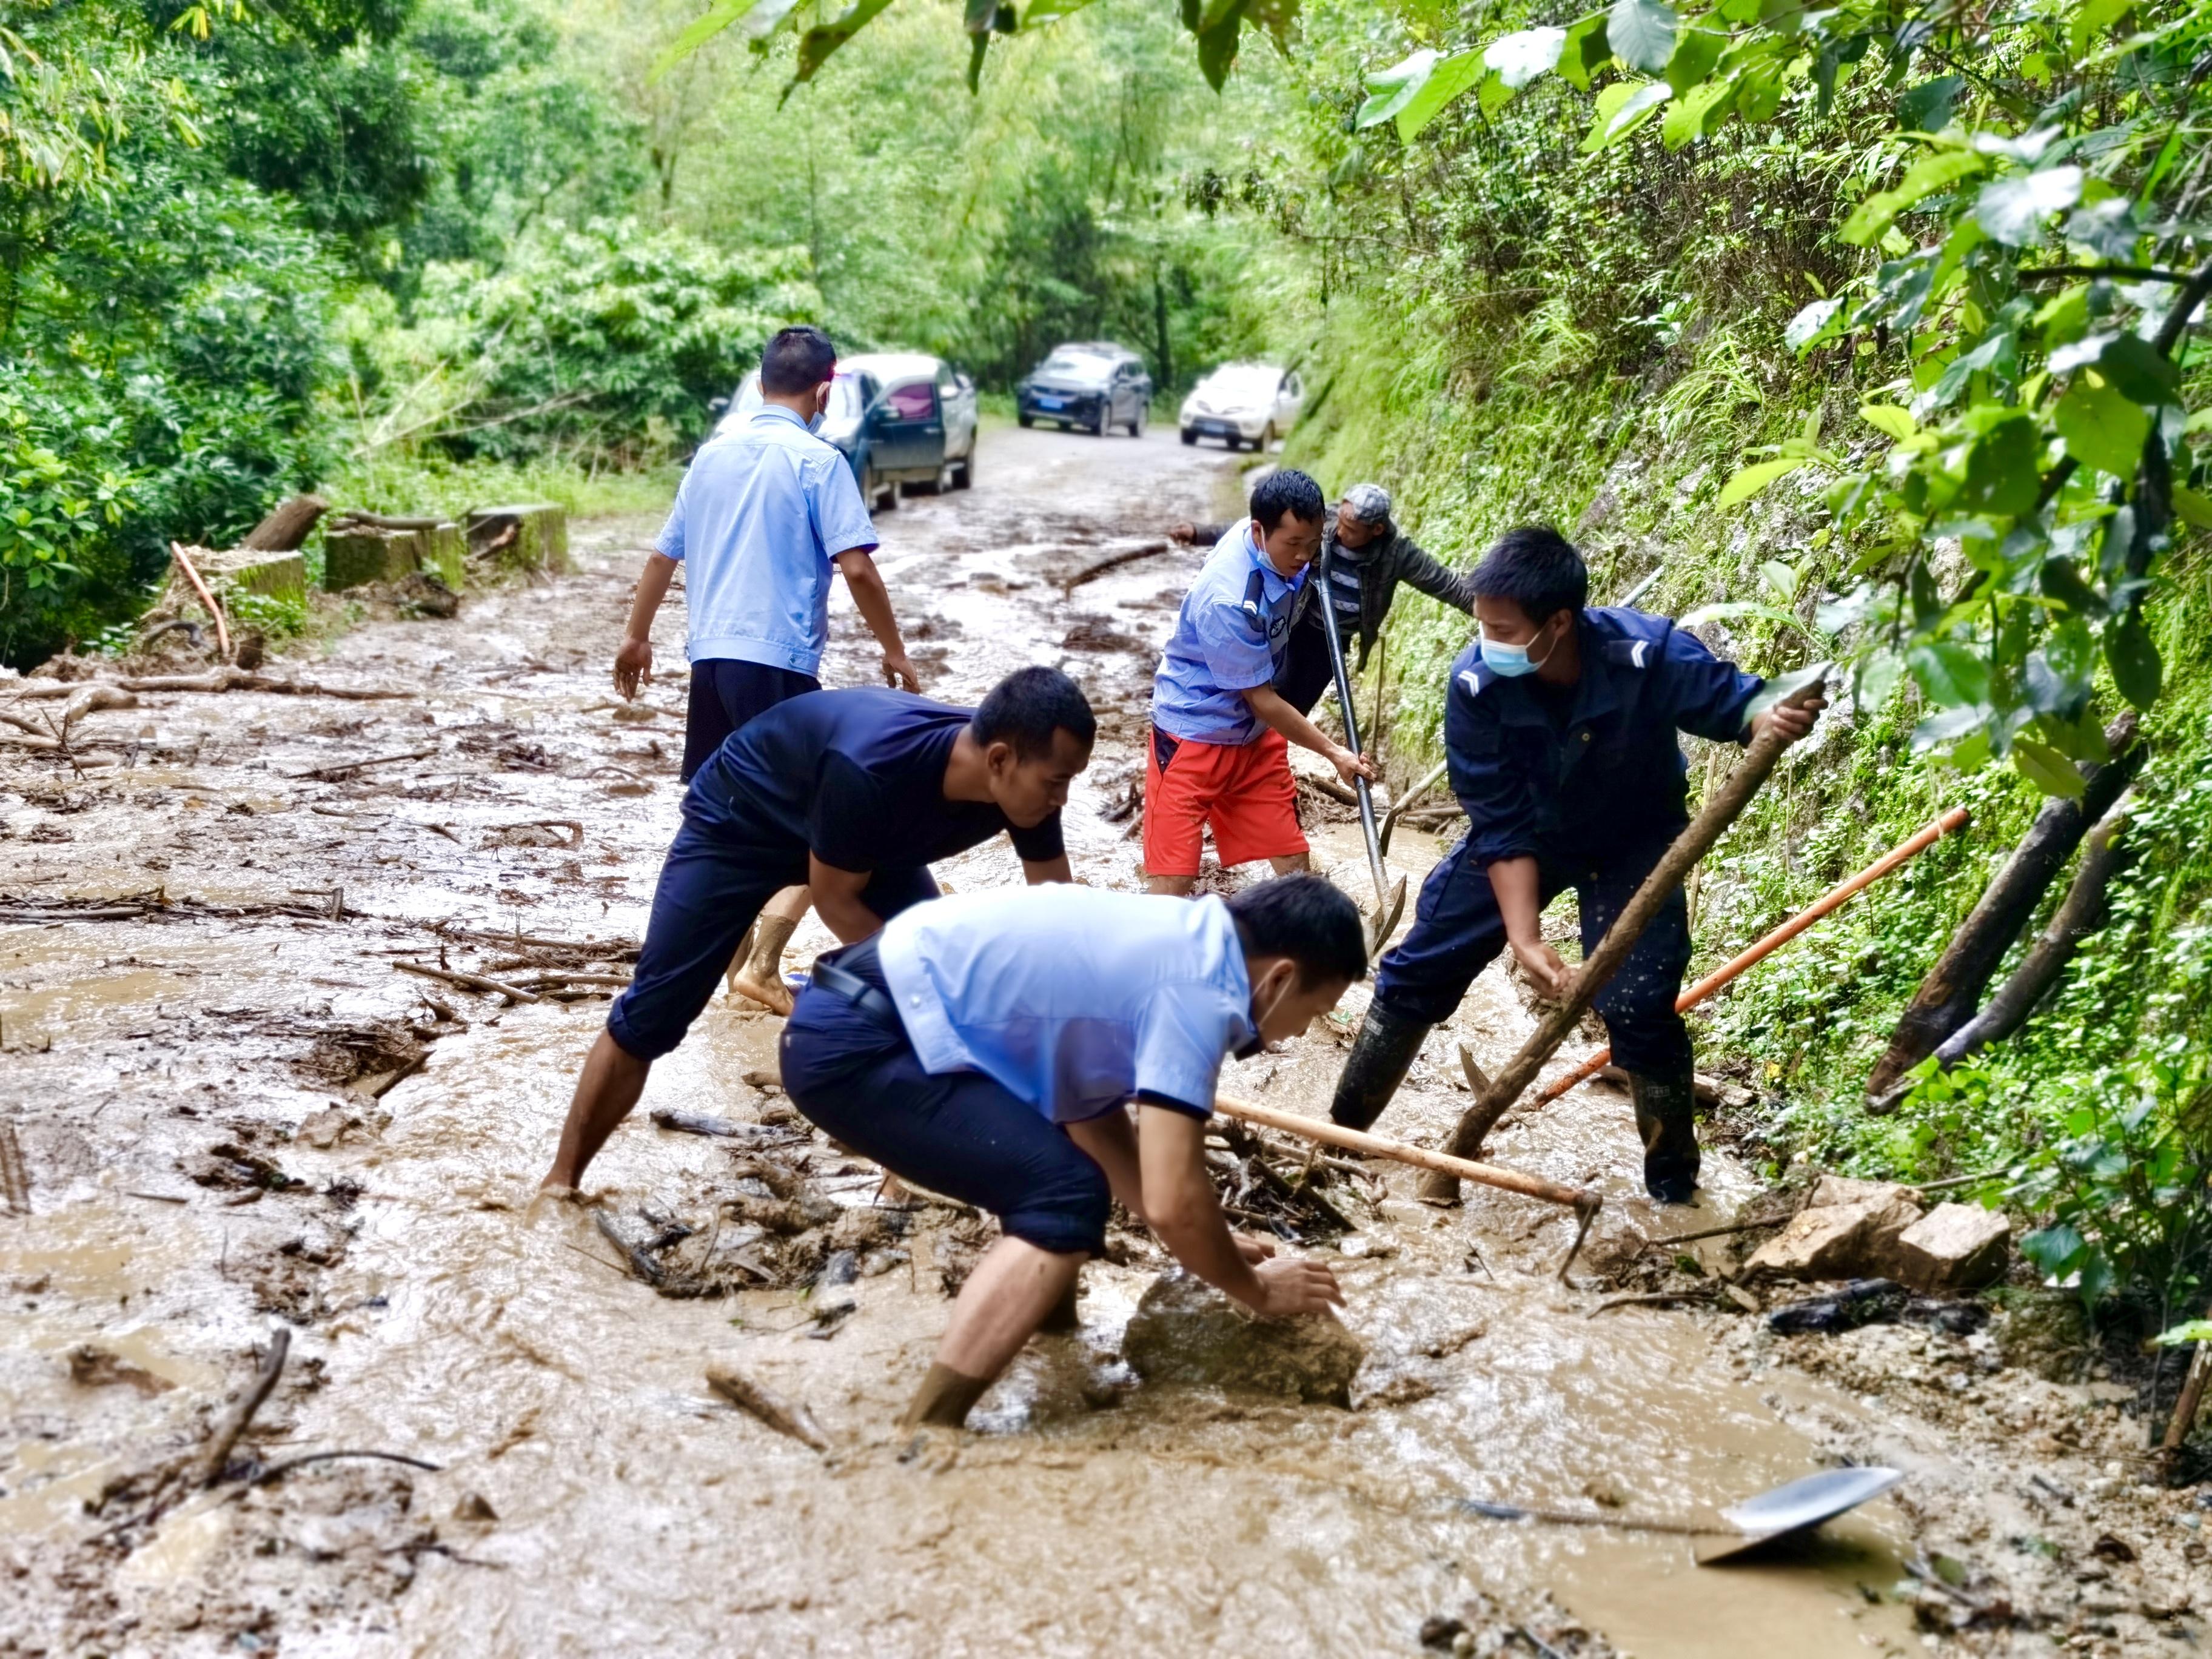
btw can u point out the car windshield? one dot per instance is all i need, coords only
(1250, 384)
(1076, 366)
(845, 399)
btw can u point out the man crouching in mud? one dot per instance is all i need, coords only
(988, 1047)
(854, 793)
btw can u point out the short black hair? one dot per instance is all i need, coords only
(1027, 706)
(1304, 917)
(1537, 568)
(1286, 489)
(798, 359)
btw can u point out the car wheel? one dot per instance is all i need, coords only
(1189, 437)
(1098, 425)
(1267, 438)
(1137, 423)
(1026, 420)
(964, 473)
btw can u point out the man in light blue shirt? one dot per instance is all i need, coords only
(760, 518)
(764, 512)
(986, 1046)
(1220, 755)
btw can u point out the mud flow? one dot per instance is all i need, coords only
(248, 1085)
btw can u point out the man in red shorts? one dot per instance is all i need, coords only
(1221, 732)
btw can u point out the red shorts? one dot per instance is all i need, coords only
(1241, 791)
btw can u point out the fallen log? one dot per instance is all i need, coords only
(238, 679)
(285, 530)
(2080, 913)
(1951, 992)
(1674, 867)
(1091, 572)
(332, 774)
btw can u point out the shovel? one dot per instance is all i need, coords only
(1389, 897)
(1786, 1511)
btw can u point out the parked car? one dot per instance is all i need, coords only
(1250, 404)
(898, 418)
(1092, 384)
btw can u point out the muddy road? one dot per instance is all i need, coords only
(234, 1110)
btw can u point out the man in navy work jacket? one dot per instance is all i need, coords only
(1560, 727)
(988, 1048)
(763, 515)
(855, 793)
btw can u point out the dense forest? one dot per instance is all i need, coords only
(1864, 329)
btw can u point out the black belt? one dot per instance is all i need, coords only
(841, 982)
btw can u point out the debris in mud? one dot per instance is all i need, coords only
(229, 1165)
(1185, 1331)
(369, 1058)
(756, 1399)
(1099, 633)
(1865, 1229)
(1254, 1190)
(94, 1367)
(1875, 1302)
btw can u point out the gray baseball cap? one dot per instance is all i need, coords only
(1369, 503)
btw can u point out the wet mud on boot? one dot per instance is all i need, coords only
(1666, 1122)
(1380, 1057)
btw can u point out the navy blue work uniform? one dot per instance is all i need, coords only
(1589, 781)
(854, 777)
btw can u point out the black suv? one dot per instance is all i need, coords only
(1091, 384)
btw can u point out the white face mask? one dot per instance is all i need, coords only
(1259, 1019)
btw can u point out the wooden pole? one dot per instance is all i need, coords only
(1956, 818)
(1355, 1140)
(221, 628)
(1674, 867)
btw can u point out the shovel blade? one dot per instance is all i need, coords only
(1796, 1508)
(1380, 923)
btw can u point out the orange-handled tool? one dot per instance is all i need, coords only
(1956, 818)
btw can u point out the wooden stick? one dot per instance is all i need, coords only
(1833, 899)
(221, 628)
(785, 1417)
(331, 774)
(1355, 1140)
(469, 981)
(234, 1421)
(2193, 1396)
(1674, 867)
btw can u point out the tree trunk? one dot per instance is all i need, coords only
(285, 530)
(2080, 913)
(1947, 998)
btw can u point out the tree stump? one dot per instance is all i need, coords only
(361, 554)
(530, 537)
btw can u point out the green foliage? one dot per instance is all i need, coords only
(609, 343)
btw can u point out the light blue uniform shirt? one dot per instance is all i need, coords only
(1230, 636)
(1073, 997)
(758, 519)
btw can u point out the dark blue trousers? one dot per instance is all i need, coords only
(712, 885)
(853, 1073)
(726, 693)
(1458, 930)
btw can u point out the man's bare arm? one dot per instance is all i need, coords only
(1180, 1208)
(837, 901)
(873, 601)
(1519, 906)
(1267, 705)
(634, 661)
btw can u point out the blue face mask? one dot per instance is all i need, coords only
(1509, 662)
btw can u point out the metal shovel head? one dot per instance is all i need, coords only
(1380, 923)
(1795, 1508)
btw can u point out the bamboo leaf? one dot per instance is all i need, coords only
(2046, 768)
(1753, 479)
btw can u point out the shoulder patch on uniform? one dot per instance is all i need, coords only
(1629, 654)
(1467, 677)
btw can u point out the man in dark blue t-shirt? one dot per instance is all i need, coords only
(854, 793)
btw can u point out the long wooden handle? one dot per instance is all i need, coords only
(1672, 870)
(1355, 1140)
(1956, 818)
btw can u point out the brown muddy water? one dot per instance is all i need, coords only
(195, 1098)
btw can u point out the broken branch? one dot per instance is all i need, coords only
(469, 981)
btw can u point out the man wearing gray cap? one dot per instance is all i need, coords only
(1367, 555)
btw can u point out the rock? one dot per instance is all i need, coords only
(864, 1227)
(1955, 1246)
(1832, 1189)
(764, 1077)
(323, 1128)
(1854, 1238)
(1186, 1331)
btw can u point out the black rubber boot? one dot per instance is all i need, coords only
(1666, 1120)
(1386, 1046)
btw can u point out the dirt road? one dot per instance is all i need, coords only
(234, 1110)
